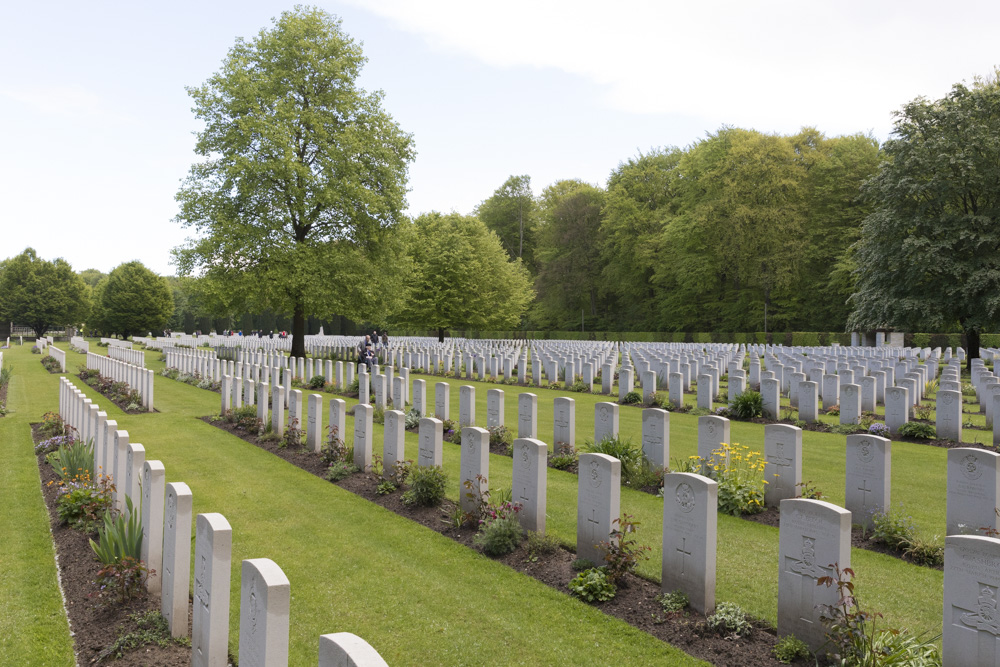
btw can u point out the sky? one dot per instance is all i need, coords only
(99, 131)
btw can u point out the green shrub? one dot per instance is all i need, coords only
(730, 619)
(74, 460)
(673, 602)
(748, 405)
(622, 552)
(499, 537)
(83, 503)
(317, 382)
(917, 430)
(924, 552)
(739, 472)
(562, 461)
(427, 486)
(340, 470)
(501, 436)
(593, 585)
(632, 398)
(52, 425)
(789, 649)
(119, 537)
(623, 450)
(412, 419)
(580, 564)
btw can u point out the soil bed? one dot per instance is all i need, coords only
(96, 626)
(635, 602)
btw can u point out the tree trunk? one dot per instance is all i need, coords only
(440, 334)
(298, 330)
(971, 347)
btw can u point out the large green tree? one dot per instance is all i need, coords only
(133, 300)
(569, 256)
(41, 294)
(640, 198)
(461, 277)
(929, 254)
(303, 178)
(511, 212)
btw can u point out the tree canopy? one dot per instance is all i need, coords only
(41, 294)
(132, 300)
(511, 213)
(303, 178)
(568, 253)
(929, 253)
(462, 277)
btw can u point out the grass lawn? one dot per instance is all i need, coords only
(418, 597)
(33, 625)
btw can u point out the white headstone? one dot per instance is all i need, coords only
(210, 618)
(598, 504)
(393, 444)
(466, 406)
(712, 432)
(813, 535)
(153, 483)
(782, 462)
(431, 447)
(475, 467)
(973, 490)
(363, 419)
(868, 478)
(343, 649)
(176, 558)
(527, 415)
(971, 628)
(690, 518)
(949, 415)
(265, 600)
(528, 482)
(442, 401)
(605, 421)
(564, 424)
(494, 408)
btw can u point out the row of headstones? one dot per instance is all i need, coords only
(128, 355)
(166, 511)
(117, 342)
(135, 377)
(59, 356)
(79, 344)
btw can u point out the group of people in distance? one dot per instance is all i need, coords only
(369, 346)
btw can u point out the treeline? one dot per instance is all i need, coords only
(741, 231)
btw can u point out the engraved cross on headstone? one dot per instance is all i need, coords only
(683, 553)
(778, 460)
(863, 488)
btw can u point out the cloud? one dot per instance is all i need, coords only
(826, 63)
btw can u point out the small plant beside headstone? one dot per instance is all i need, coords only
(854, 638)
(730, 620)
(427, 486)
(593, 585)
(622, 552)
(739, 472)
(789, 649)
(917, 431)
